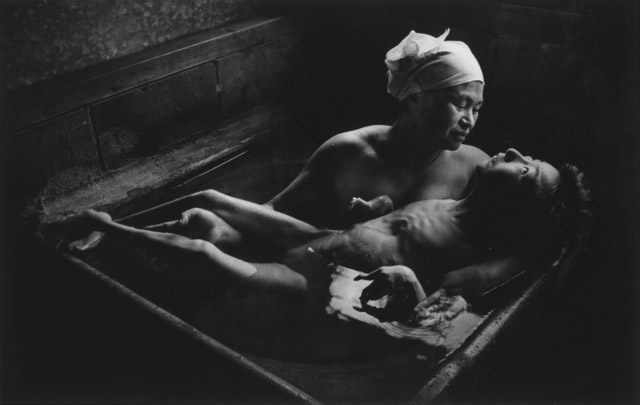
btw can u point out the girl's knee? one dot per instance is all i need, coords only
(203, 224)
(201, 253)
(200, 247)
(210, 197)
(196, 217)
(193, 215)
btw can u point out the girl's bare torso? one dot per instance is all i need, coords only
(424, 236)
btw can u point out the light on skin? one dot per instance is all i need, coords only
(447, 116)
(516, 168)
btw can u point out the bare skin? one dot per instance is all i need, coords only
(425, 235)
(420, 157)
(434, 237)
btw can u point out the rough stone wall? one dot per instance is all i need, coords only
(41, 39)
(178, 96)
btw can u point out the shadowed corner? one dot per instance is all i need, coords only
(239, 99)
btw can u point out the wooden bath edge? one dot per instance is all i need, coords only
(181, 326)
(444, 380)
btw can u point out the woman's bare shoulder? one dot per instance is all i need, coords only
(361, 139)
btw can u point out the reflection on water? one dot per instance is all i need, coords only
(264, 323)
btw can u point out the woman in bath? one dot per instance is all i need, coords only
(517, 202)
(439, 86)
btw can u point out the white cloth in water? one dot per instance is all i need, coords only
(446, 323)
(421, 62)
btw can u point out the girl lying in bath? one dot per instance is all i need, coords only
(519, 202)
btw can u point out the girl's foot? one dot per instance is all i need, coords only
(79, 230)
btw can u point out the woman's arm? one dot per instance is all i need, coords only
(314, 196)
(310, 194)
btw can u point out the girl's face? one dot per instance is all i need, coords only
(512, 184)
(446, 116)
(511, 168)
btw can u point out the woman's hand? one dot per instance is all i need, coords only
(401, 287)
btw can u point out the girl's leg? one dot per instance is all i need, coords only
(166, 212)
(201, 260)
(165, 215)
(195, 223)
(247, 218)
(260, 222)
(277, 276)
(198, 223)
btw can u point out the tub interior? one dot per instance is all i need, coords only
(329, 358)
(255, 154)
(322, 357)
(73, 142)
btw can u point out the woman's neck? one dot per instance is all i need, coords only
(408, 146)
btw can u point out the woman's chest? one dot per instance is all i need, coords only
(402, 185)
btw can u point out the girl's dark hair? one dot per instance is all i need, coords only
(566, 208)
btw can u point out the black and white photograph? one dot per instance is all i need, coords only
(320, 201)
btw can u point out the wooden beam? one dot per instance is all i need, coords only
(54, 97)
(496, 17)
(123, 190)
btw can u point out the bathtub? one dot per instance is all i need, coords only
(331, 361)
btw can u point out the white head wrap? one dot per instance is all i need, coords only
(422, 62)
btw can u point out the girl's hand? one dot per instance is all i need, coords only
(401, 287)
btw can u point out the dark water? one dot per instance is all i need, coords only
(264, 323)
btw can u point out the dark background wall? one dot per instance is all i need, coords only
(42, 39)
(562, 83)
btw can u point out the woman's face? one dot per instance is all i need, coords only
(448, 115)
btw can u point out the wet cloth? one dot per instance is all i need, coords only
(421, 62)
(446, 323)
